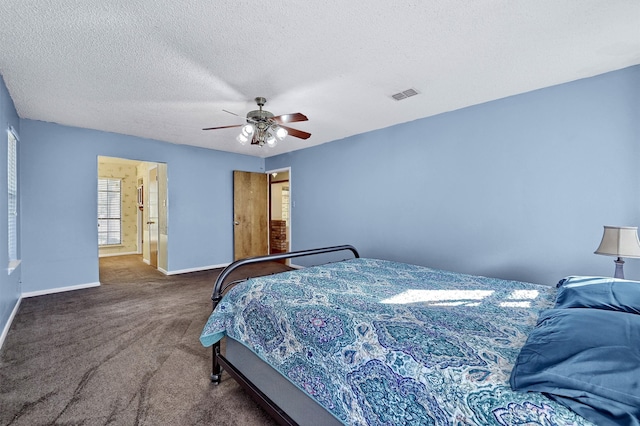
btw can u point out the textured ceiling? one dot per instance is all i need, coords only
(164, 69)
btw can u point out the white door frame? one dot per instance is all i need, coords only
(155, 169)
(285, 169)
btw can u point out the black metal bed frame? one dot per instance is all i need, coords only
(219, 362)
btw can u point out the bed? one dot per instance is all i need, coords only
(369, 341)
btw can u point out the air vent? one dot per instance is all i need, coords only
(404, 94)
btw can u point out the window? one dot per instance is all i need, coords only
(109, 218)
(12, 202)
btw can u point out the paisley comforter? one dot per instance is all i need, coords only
(381, 343)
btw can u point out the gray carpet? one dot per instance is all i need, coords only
(125, 353)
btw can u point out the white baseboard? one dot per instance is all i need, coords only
(118, 254)
(7, 326)
(59, 290)
(198, 269)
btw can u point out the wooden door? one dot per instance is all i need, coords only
(250, 207)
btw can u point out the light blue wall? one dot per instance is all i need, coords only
(59, 201)
(9, 284)
(517, 188)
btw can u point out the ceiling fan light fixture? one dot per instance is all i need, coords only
(264, 128)
(281, 132)
(248, 129)
(242, 139)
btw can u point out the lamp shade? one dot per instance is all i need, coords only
(620, 241)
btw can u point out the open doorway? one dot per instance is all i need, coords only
(279, 211)
(261, 213)
(132, 210)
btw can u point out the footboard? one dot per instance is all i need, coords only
(220, 286)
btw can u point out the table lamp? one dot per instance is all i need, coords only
(619, 241)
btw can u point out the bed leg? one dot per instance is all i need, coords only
(216, 370)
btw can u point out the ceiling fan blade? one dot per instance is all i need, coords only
(297, 133)
(290, 118)
(223, 127)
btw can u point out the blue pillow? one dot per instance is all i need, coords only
(600, 293)
(587, 360)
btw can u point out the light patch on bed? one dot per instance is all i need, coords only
(455, 304)
(523, 294)
(516, 304)
(520, 299)
(441, 297)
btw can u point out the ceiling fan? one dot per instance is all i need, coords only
(264, 128)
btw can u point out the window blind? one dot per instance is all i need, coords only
(12, 190)
(109, 212)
